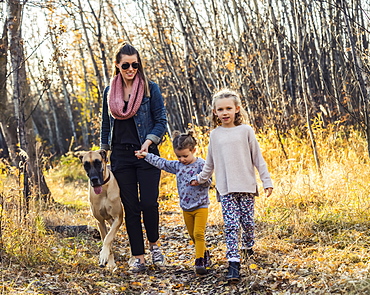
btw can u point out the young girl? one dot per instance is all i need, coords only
(193, 200)
(233, 152)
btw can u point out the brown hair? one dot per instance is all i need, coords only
(240, 117)
(183, 141)
(127, 49)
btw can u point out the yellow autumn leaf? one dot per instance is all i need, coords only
(361, 264)
(253, 266)
(230, 66)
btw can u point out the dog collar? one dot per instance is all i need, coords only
(105, 181)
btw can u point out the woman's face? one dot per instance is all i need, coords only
(130, 61)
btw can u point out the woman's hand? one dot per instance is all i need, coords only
(268, 191)
(145, 146)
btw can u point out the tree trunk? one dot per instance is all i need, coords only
(99, 36)
(304, 82)
(190, 93)
(23, 107)
(278, 36)
(357, 65)
(124, 31)
(66, 96)
(92, 55)
(7, 119)
(45, 112)
(58, 135)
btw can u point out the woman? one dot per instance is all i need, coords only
(134, 119)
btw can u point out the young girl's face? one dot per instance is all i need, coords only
(186, 156)
(225, 109)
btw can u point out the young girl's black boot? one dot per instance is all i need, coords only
(233, 275)
(199, 266)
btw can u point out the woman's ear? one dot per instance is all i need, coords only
(237, 109)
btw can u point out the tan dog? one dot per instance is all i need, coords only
(105, 201)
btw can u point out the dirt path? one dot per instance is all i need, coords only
(280, 266)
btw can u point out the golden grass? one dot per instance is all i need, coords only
(328, 210)
(315, 221)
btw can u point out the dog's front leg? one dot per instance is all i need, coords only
(106, 254)
(103, 257)
(102, 229)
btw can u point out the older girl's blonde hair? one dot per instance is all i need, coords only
(240, 117)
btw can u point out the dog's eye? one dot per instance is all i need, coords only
(97, 164)
(87, 165)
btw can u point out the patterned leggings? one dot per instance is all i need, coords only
(238, 209)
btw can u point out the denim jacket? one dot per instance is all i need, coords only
(150, 119)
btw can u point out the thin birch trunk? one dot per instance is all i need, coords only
(22, 107)
(99, 37)
(57, 124)
(357, 64)
(66, 97)
(304, 83)
(92, 55)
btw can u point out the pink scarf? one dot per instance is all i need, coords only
(115, 97)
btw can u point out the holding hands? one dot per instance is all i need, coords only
(140, 154)
(194, 182)
(268, 190)
(144, 149)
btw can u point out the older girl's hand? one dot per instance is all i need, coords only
(268, 191)
(194, 183)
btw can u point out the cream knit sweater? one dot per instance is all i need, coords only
(233, 154)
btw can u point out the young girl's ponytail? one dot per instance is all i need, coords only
(182, 141)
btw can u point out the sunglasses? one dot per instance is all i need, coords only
(125, 66)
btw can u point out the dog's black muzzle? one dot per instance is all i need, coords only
(96, 180)
(94, 171)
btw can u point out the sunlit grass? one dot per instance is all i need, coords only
(314, 220)
(327, 209)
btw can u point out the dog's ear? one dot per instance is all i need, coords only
(103, 154)
(80, 155)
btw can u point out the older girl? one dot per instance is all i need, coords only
(233, 154)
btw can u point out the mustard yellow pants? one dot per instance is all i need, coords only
(195, 222)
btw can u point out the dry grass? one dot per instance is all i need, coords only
(312, 233)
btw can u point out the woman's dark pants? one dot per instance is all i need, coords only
(138, 182)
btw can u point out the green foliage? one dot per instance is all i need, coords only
(70, 169)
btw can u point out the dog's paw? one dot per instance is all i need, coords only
(111, 265)
(104, 257)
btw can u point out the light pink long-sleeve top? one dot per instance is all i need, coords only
(233, 154)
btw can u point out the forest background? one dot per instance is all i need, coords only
(301, 67)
